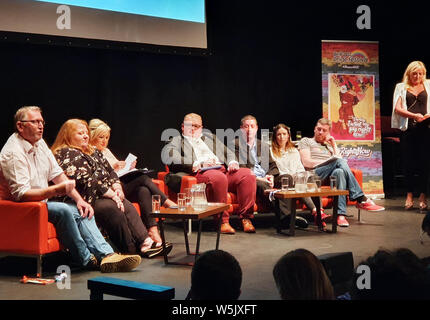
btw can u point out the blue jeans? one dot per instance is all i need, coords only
(345, 181)
(80, 235)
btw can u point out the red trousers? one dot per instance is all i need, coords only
(241, 182)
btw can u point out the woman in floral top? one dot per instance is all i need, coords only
(99, 185)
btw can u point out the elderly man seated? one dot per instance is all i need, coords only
(204, 156)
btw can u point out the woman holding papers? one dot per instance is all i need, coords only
(99, 185)
(138, 189)
(411, 110)
(287, 159)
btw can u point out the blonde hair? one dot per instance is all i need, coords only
(96, 128)
(21, 113)
(413, 66)
(64, 136)
(276, 148)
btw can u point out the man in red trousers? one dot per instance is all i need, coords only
(204, 156)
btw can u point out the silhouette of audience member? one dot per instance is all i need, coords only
(216, 275)
(425, 226)
(299, 275)
(397, 275)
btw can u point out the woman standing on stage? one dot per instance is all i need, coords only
(411, 107)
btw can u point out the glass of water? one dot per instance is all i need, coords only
(188, 197)
(286, 183)
(156, 203)
(182, 201)
(333, 183)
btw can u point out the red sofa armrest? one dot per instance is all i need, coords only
(160, 184)
(358, 174)
(24, 227)
(187, 182)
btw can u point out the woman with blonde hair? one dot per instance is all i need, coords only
(411, 108)
(138, 188)
(99, 185)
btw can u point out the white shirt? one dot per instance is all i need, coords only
(109, 157)
(24, 167)
(289, 162)
(202, 151)
(397, 121)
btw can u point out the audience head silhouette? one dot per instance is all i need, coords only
(394, 275)
(216, 275)
(425, 226)
(299, 275)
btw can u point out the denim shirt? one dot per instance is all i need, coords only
(258, 169)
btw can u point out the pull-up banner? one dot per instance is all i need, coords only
(350, 82)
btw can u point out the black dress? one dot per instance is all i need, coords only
(414, 146)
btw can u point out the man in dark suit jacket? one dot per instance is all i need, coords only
(254, 154)
(194, 152)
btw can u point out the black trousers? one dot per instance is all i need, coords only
(415, 158)
(140, 189)
(125, 229)
(284, 204)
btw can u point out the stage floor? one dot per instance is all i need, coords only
(257, 253)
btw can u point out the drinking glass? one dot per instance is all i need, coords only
(318, 184)
(182, 201)
(156, 203)
(188, 197)
(333, 183)
(285, 183)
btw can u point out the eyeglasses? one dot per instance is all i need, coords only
(195, 126)
(35, 122)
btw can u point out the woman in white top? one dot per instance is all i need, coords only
(411, 108)
(287, 159)
(140, 188)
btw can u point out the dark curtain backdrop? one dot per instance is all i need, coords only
(263, 60)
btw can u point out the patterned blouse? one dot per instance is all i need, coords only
(93, 174)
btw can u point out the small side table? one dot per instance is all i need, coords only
(293, 195)
(190, 213)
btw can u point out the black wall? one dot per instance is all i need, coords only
(263, 59)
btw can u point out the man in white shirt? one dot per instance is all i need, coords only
(27, 165)
(212, 163)
(314, 152)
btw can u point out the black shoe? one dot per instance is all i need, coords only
(169, 247)
(156, 251)
(92, 264)
(300, 222)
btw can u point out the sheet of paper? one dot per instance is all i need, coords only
(128, 161)
(333, 158)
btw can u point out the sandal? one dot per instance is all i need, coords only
(409, 205)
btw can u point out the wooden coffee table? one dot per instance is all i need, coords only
(190, 213)
(325, 192)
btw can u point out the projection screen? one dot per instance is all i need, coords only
(180, 23)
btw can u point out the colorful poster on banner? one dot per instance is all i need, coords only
(350, 82)
(352, 106)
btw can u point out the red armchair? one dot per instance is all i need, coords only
(25, 230)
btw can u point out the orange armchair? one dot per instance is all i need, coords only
(25, 230)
